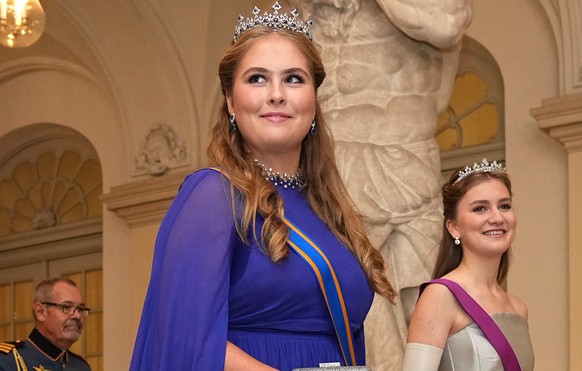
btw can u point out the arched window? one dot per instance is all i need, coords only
(473, 125)
(50, 225)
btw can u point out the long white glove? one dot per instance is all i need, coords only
(421, 357)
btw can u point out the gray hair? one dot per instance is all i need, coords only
(44, 290)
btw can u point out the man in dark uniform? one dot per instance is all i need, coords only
(59, 315)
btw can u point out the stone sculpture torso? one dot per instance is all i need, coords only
(391, 69)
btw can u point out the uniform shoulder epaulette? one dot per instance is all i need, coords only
(8, 346)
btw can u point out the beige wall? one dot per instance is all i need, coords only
(561, 117)
(141, 263)
(538, 167)
(575, 192)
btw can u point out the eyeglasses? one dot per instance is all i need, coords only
(69, 308)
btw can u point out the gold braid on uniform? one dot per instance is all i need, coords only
(20, 365)
(6, 347)
(9, 347)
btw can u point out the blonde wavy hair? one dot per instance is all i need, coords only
(329, 198)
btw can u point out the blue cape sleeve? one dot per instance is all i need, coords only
(184, 320)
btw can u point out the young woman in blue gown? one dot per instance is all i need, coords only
(227, 292)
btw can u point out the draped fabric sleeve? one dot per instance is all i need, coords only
(184, 320)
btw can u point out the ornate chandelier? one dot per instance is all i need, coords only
(21, 22)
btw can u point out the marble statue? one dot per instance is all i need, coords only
(390, 68)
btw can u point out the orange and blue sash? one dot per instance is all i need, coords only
(330, 287)
(328, 283)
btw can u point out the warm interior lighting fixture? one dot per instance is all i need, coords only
(21, 22)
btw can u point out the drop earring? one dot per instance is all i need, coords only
(233, 126)
(313, 128)
(457, 241)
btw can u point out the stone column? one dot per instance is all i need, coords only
(142, 206)
(561, 118)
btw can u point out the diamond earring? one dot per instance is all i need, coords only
(232, 120)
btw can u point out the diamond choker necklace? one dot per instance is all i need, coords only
(296, 180)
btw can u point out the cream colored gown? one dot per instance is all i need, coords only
(470, 350)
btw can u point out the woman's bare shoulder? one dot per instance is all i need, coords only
(518, 305)
(434, 316)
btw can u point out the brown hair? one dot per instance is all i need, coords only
(449, 255)
(329, 198)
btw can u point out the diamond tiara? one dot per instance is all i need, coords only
(484, 167)
(273, 20)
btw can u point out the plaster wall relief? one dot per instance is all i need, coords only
(47, 182)
(50, 190)
(391, 67)
(161, 151)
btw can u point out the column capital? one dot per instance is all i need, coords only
(561, 118)
(144, 202)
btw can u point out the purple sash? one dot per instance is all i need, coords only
(485, 323)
